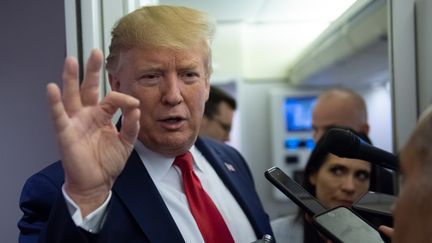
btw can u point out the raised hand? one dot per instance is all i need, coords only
(93, 152)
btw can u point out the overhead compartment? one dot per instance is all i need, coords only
(352, 49)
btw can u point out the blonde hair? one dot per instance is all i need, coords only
(162, 26)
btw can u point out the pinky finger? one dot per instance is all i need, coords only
(57, 110)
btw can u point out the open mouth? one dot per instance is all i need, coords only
(172, 123)
(172, 120)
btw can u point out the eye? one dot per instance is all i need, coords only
(150, 78)
(189, 76)
(362, 175)
(338, 170)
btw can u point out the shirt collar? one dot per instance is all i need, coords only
(158, 165)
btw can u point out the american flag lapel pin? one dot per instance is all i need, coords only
(230, 167)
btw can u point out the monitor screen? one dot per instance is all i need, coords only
(298, 113)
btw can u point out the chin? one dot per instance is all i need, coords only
(174, 144)
(345, 204)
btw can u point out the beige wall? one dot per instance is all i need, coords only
(258, 52)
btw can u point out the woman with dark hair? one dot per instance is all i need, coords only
(333, 180)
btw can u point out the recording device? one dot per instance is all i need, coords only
(294, 191)
(341, 224)
(328, 222)
(376, 208)
(344, 143)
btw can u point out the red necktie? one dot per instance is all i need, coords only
(209, 220)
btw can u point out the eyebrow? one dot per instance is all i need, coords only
(149, 67)
(188, 66)
(346, 167)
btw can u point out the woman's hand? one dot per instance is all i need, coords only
(388, 231)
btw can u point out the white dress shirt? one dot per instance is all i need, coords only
(168, 181)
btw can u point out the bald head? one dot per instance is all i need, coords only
(418, 147)
(414, 200)
(339, 107)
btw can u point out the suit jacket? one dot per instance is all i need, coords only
(136, 212)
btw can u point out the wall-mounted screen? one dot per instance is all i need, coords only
(298, 113)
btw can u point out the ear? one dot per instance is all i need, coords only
(204, 125)
(207, 88)
(204, 122)
(313, 179)
(365, 128)
(114, 82)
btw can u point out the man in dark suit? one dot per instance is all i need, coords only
(132, 184)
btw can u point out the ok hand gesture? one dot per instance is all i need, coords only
(93, 152)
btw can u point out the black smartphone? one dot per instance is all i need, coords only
(335, 225)
(294, 191)
(342, 225)
(376, 208)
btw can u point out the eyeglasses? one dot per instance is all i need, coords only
(226, 127)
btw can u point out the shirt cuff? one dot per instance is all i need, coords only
(94, 221)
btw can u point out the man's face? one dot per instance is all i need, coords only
(172, 87)
(341, 181)
(334, 112)
(412, 212)
(219, 126)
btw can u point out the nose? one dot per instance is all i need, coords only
(170, 90)
(348, 184)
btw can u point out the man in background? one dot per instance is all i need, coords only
(339, 107)
(218, 115)
(412, 213)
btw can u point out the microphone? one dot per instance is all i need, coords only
(344, 143)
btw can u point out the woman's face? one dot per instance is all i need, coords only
(341, 181)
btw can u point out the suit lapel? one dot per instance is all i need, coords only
(234, 181)
(135, 188)
(138, 192)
